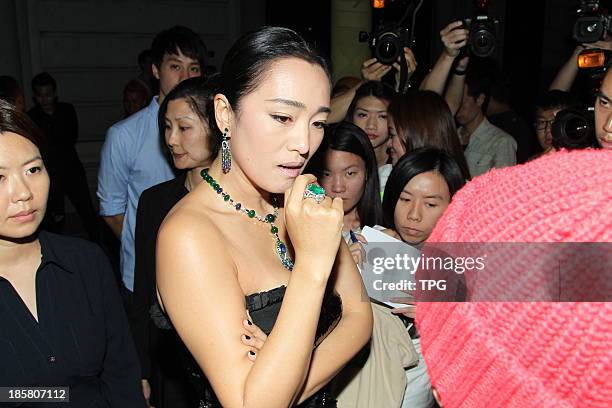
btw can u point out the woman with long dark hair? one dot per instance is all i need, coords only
(423, 119)
(368, 110)
(235, 243)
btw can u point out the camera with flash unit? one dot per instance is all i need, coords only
(390, 34)
(592, 23)
(387, 43)
(483, 30)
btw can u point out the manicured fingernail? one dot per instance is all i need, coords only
(251, 353)
(247, 337)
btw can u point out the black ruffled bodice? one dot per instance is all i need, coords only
(263, 308)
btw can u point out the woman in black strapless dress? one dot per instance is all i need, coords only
(235, 249)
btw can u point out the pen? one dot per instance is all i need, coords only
(353, 237)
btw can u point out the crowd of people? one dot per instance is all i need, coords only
(240, 201)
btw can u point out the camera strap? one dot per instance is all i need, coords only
(405, 74)
(404, 83)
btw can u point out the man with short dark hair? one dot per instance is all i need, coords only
(58, 120)
(603, 113)
(547, 107)
(500, 112)
(487, 146)
(132, 157)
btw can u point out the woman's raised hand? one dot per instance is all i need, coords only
(315, 229)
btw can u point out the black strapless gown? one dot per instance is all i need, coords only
(264, 308)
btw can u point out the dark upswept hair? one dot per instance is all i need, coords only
(198, 92)
(423, 119)
(43, 79)
(347, 137)
(249, 58)
(178, 38)
(12, 120)
(411, 165)
(376, 89)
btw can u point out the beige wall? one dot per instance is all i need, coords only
(91, 48)
(348, 18)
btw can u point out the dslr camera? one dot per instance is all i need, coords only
(573, 129)
(483, 31)
(388, 40)
(592, 23)
(387, 43)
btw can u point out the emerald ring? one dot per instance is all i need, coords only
(315, 191)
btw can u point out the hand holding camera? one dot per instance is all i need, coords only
(410, 61)
(482, 33)
(373, 70)
(454, 37)
(391, 42)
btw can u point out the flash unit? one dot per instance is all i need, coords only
(592, 59)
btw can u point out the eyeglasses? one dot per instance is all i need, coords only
(541, 124)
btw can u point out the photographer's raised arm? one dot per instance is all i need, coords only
(340, 104)
(454, 90)
(567, 74)
(371, 70)
(454, 38)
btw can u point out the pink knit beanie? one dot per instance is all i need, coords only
(525, 355)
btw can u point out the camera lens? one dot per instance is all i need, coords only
(576, 128)
(589, 29)
(482, 43)
(387, 50)
(572, 130)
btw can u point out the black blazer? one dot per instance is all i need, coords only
(153, 206)
(81, 339)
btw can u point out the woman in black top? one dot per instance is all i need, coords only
(62, 323)
(184, 128)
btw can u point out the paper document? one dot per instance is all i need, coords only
(385, 266)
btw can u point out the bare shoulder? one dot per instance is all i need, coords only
(189, 230)
(189, 217)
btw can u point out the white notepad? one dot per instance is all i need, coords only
(383, 245)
